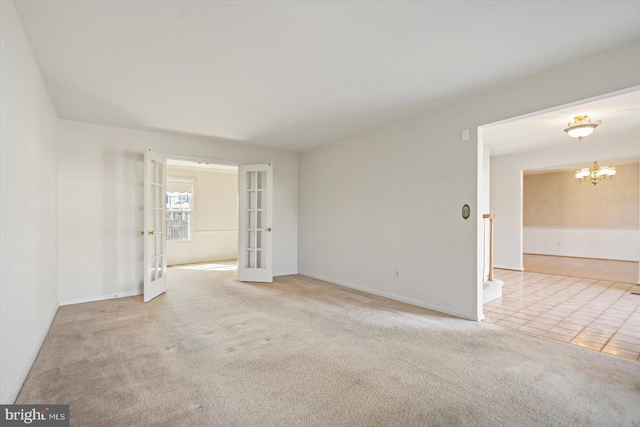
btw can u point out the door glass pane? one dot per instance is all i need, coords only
(153, 246)
(259, 240)
(251, 200)
(262, 199)
(251, 259)
(152, 172)
(160, 197)
(261, 179)
(160, 272)
(259, 219)
(251, 220)
(261, 261)
(251, 180)
(251, 239)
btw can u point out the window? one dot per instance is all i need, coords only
(179, 209)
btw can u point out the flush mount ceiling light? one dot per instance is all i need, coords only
(595, 175)
(582, 126)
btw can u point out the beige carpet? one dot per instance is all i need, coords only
(302, 352)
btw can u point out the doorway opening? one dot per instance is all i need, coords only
(241, 210)
(552, 230)
(202, 215)
(573, 227)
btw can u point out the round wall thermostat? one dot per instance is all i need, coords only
(466, 211)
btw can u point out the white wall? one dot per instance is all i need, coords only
(214, 217)
(28, 207)
(391, 198)
(101, 202)
(506, 188)
(602, 243)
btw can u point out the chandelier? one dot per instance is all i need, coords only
(582, 126)
(595, 175)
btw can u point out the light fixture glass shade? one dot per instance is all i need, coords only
(581, 127)
(580, 131)
(597, 174)
(582, 173)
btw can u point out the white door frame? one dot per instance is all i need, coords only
(202, 160)
(480, 184)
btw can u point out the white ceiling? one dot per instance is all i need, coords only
(293, 75)
(620, 115)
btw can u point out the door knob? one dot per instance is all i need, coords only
(142, 233)
(150, 233)
(269, 229)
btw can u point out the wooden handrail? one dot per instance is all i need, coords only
(490, 217)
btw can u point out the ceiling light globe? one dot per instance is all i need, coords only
(582, 126)
(582, 173)
(580, 131)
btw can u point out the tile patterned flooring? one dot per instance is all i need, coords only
(596, 314)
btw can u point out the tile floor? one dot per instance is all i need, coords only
(596, 314)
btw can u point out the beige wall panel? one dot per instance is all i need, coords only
(558, 199)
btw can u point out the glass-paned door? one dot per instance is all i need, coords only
(255, 188)
(155, 211)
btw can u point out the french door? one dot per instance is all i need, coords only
(155, 238)
(255, 209)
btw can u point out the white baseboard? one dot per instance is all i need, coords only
(507, 267)
(101, 298)
(433, 307)
(30, 360)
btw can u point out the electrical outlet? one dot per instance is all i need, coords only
(396, 273)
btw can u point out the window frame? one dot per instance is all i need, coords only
(191, 210)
